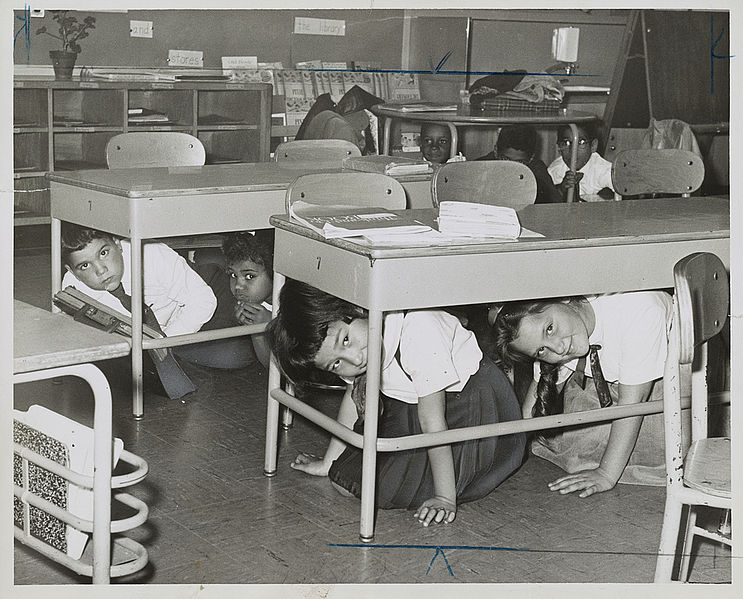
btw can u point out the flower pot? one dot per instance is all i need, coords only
(63, 63)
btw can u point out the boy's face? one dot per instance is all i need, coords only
(435, 143)
(586, 147)
(100, 264)
(250, 282)
(514, 155)
(343, 351)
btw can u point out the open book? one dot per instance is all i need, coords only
(388, 165)
(353, 221)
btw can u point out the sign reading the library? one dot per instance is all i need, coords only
(309, 26)
(140, 28)
(185, 58)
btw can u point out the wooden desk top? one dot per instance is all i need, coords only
(198, 180)
(43, 340)
(572, 225)
(474, 116)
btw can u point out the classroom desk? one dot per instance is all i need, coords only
(45, 346)
(587, 248)
(161, 202)
(488, 118)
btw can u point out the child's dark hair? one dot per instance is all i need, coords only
(76, 238)
(300, 327)
(506, 330)
(518, 137)
(245, 245)
(590, 130)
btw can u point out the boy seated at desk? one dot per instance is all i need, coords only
(519, 143)
(592, 175)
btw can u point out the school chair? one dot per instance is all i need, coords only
(315, 150)
(623, 138)
(702, 476)
(347, 189)
(495, 182)
(648, 171)
(154, 148)
(145, 149)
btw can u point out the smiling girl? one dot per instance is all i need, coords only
(434, 377)
(630, 330)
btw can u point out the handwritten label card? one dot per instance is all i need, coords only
(185, 58)
(309, 26)
(240, 62)
(140, 28)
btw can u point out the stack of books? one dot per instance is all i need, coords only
(468, 219)
(388, 165)
(145, 116)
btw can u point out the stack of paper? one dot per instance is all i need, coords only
(478, 220)
(387, 165)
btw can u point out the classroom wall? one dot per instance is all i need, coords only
(371, 35)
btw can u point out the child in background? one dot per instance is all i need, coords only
(434, 377)
(176, 300)
(519, 143)
(435, 140)
(631, 330)
(243, 288)
(592, 175)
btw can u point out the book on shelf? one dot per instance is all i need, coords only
(387, 165)
(337, 221)
(127, 75)
(152, 117)
(478, 220)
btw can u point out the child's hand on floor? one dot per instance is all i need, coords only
(586, 481)
(249, 313)
(311, 464)
(437, 509)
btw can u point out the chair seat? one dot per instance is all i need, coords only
(707, 466)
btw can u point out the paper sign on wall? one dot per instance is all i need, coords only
(185, 58)
(140, 28)
(309, 26)
(240, 62)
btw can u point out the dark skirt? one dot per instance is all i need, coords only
(404, 478)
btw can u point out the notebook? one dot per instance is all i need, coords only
(387, 165)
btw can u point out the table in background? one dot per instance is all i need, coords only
(588, 248)
(150, 203)
(45, 346)
(469, 117)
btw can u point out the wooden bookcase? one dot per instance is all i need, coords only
(65, 125)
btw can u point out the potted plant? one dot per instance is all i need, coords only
(71, 31)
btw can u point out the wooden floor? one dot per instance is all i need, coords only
(214, 517)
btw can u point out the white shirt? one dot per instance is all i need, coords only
(632, 330)
(436, 353)
(596, 174)
(181, 300)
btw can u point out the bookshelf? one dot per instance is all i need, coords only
(65, 125)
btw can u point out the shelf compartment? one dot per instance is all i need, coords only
(177, 105)
(29, 107)
(30, 151)
(231, 146)
(239, 107)
(81, 150)
(31, 200)
(88, 107)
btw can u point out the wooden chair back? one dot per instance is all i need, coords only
(154, 148)
(644, 171)
(494, 182)
(315, 150)
(621, 139)
(347, 189)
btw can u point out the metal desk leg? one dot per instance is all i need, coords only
(274, 382)
(102, 458)
(454, 140)
(371, 417)
(573, 158)
(137, 298)
(387, 133)
(56, 237)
